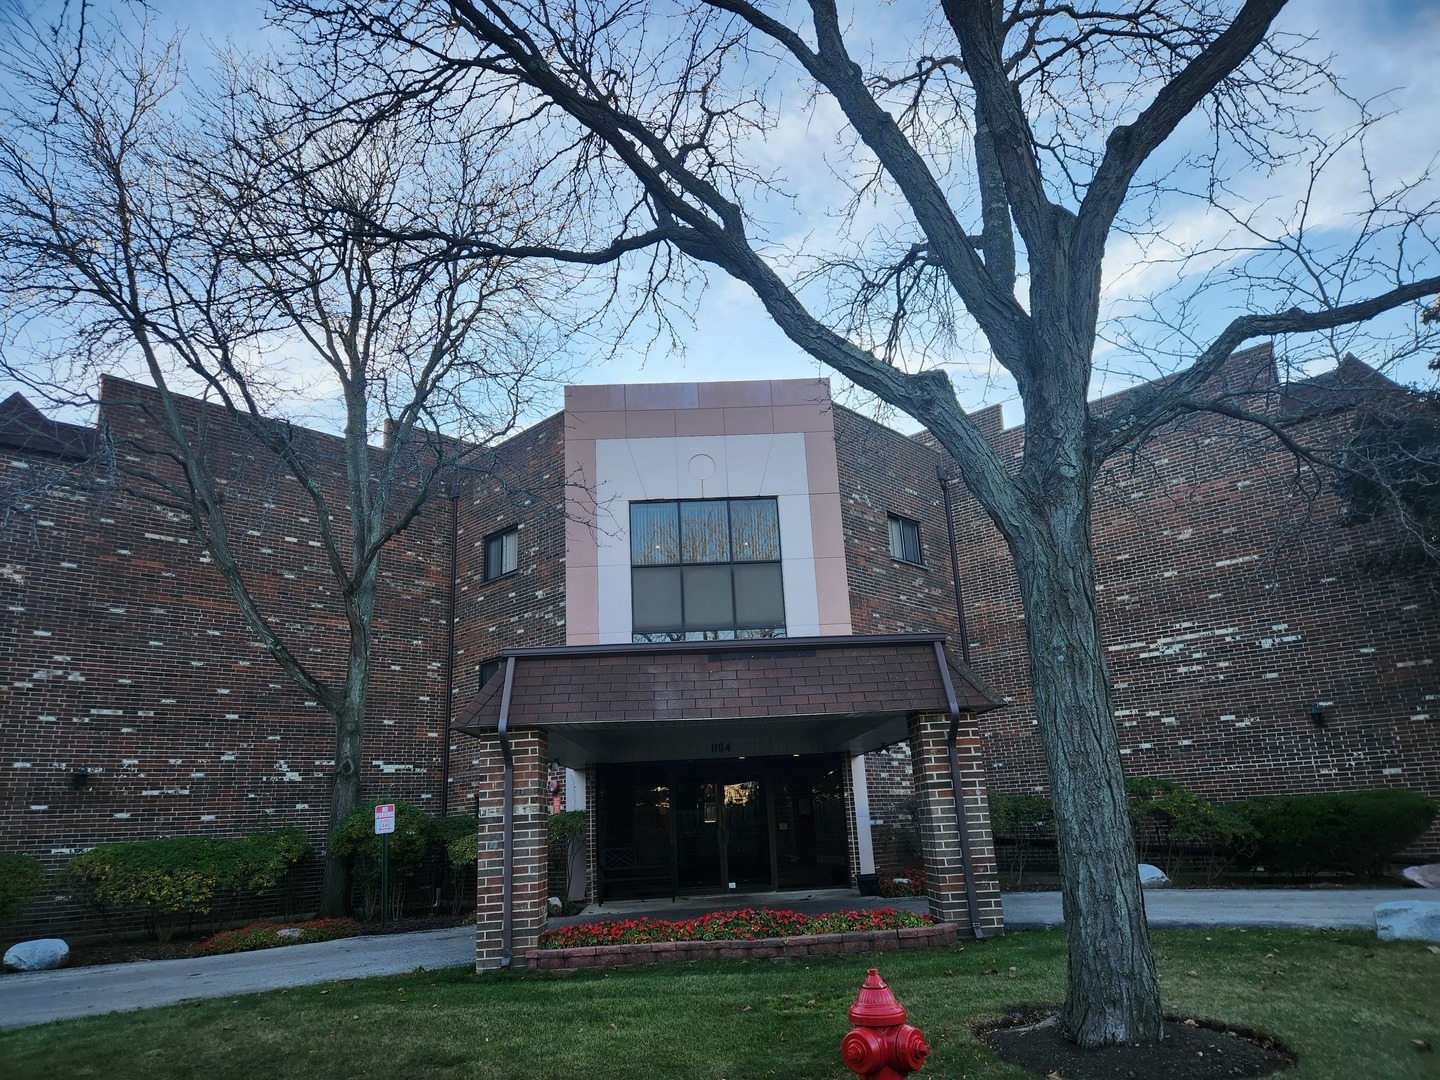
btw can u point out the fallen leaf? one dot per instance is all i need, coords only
(744, 1008)
(1434, 948)
(990, 971)
(1191, 1023)
(1192, 974)
(1263, 986)
(1422, 1045)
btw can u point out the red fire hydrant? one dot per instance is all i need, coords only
(881, 1046)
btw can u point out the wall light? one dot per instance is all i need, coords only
(79, 778)
(1317, 715)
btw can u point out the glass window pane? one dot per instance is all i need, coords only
(904, 539)
(704, 532)
(654, 534)
(755, 530)
(708, 602)
(759, 596)
(510, 551)
(655, 599)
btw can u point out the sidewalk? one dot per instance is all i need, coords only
(43, 996)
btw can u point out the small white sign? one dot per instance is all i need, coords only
(384, 818)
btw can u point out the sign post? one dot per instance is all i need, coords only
(384, 826)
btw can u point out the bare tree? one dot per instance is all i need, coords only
(993, 151)
(244, 256)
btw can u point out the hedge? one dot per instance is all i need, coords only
(1356, 832)
(179, 878)
(20, 879)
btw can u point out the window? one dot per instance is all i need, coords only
(706, 569)
(488, 670)
(502, 552)
(905, 540)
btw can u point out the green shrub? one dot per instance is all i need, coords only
(178, 878)
(20, 879)
(459, 840)
(408, 848)
(1171, 822)
(1355, 832)
(1022, 820)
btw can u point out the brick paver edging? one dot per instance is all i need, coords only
(565, 961)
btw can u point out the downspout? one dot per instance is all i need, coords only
(507, 843)
(962, 820)
(944, 478)
(450, 654)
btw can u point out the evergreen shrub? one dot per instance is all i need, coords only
(20, 879)
(1355, 832)
(176, 879)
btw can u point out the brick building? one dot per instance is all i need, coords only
(727, 611)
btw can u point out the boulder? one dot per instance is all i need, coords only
(1427, 876)
(1408, 920)
(42, 954)
(1152, 877)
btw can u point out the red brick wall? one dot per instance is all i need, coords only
(521, 484)
(121, 652)
(1231, 600)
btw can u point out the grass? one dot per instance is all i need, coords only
(1348, 1005)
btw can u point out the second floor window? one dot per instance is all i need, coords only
(904, 539)
(502, 553)
(706, 569)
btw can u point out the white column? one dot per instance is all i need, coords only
(860, 794)
(576, 799)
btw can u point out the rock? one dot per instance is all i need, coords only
(1152, 877)
(288, 932)
(555, 904)
(1427, 876)
(42, 954)
(1408, 920)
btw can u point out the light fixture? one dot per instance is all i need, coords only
(79, 778)
(1317, 715)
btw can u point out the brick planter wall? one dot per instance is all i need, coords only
(855, 943)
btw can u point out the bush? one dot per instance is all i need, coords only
(20, 879)
(409, 847)
(1171, 821)
(1356, 832)
(907, 881)
(459, 838)
(178, 878)
(1022, 820)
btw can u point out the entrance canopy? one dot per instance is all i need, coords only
(699, 699)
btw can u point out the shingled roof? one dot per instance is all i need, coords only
(839, 689)
(24, 427)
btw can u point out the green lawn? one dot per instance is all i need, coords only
(1347, 1004)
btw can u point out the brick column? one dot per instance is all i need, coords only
(939, 835)
(531, 875)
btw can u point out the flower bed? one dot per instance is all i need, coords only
(743, 924)
(734, 935)
(270, 935)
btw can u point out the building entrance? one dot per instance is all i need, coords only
(765, 823)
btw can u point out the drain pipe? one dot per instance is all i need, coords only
(507, 879)
(962, 820)
(449, 712)
(944, 477)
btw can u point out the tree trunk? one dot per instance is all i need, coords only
(1112, 995)
(345, 795)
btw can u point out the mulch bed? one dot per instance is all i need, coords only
(1193, 1049)
(87, 954)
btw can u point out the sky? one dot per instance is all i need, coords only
(1384, 49)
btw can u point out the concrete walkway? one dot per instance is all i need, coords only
(43, 996)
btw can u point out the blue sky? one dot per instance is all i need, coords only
(1385, 47)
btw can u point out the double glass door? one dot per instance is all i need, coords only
(722, 833)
